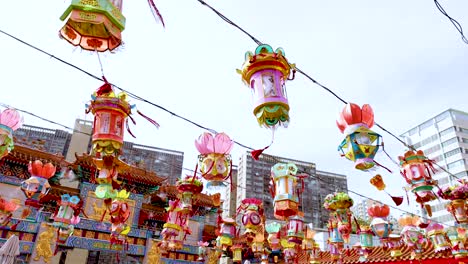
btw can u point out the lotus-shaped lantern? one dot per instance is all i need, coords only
(37, 186)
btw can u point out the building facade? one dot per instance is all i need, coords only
(253, 179)
(166, 163)
(444, 139)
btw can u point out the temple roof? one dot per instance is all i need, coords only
(25, 154)
(200, 199)
(126, 171)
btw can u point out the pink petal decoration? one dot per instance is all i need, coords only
(11, 118)
(353, 114)
(222, 144)
(207, 143)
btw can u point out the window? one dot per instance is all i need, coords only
(442, 116)
(432, 149)
(461, 174)
(426, 125)
(443, 181)
(450, 142)
(453, 152)
(463, 130)
(447, 131)
(456, 164)
(465, 140)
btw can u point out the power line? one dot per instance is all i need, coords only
(452, 20)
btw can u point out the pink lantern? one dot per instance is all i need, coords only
(295, 232)
(214, 159)
(176, 221)
(438, 236)
(10, 120)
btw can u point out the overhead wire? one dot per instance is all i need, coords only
(454, 22)
(237, 186)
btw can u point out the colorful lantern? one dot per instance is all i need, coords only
(10, 120)
(7, 208)
(37, 186)
(340, 216)
(214, 159)
(176, 221)
(417, 169)
(266, 72)
(283, 189)
(361, 143)
(119, 212)
(289, 251)
(253, 216)
(257, 244)
(67, 217)
(237, 253)
(439, 239)
(457, 194)
(202, 250)
(94, 25)
(295, 227)
(227, 233)
(412, 235)
(310, 246)
(366, 242)
(273, 229)
(395, 244)
(458, 240)
(187, 187)
(379, 224)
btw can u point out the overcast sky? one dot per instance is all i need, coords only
(402, 57)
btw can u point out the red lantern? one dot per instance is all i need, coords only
(37, 186)
(7, 208)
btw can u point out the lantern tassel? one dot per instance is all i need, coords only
(380, 165)
(105, 88)
(149, 119)
(128, 129)
(398, 200)
(256, 153)
(154, 10)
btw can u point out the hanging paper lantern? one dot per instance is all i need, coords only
(188, 187)
(417, 171)
(214, 159)
(458, 195)
(237, 253)
(310, 246)
(253, 216)
(119, 213)
(361, 144)
(283, 190)
(37, 186)
(176, 221)
(273, 229)
(7, 208)
(10, 120)
(289, 251)
(66, 217)
(439, 239)
(340, 216)
(202, 250)
(266, 72)
(94, 25)
(257, 243)
(366, 242)
(295, 227)
(412, 235)
(458, 241)
(379, 224)
(110, 112)
(227, 233)
(177, 242)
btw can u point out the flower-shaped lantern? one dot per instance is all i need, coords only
(227, 233)
(94, 25)
(458, 195)
(120, 212)
(361, 144)
(458, 241)
(283, 189)
(188, 187)
(252, 218)
(214, 160)
(273, 229)
(37, 186)
(417, 170)
(439, 239)
(379, 224)
(266, 73)
(10, 120)
(67, 217)
(7, 208)
(338, 204)
(412, 235)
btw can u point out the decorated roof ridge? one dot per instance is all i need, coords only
(27, 154)
(200, 199)
(125, 169)
(378, 254)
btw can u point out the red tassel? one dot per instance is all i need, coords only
(256, 153)
(398, 200)
(13, 227)
(128, 129)
(155, 12)
(105, 88)
(149, 119)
